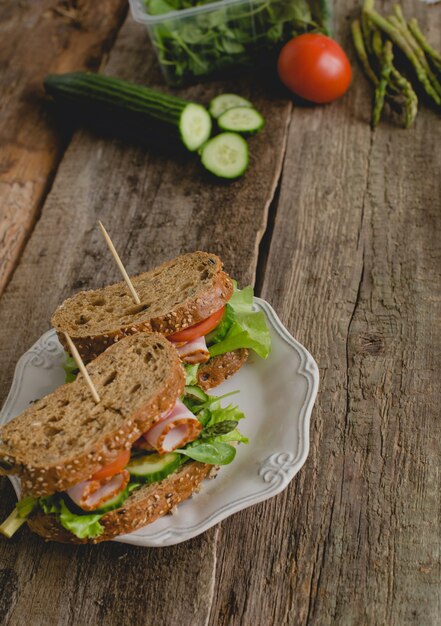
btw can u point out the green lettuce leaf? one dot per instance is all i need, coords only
(219, 427)
(224, 325)
(233, 435)
(231, 414)
(222, 414)
(70, 368)
(241, 327)
(26, 506)
(49, 504)
(191, 374)
(81, 526)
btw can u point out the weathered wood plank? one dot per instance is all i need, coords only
(37, 38)
(154, 207)
(354, 272)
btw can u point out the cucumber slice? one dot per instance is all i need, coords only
(194, 126)
(226, 101)
(151, 468)
(196, 392)
(113, 503)
(226, 155)
(241, 120)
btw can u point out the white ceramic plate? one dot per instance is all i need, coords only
(277, 396)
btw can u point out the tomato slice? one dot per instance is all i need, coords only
(200, 329)
(113, 468)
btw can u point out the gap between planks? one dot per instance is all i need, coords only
(264, 237)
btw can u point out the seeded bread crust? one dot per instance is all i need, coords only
(143, 507)
(98, 318)
(65, 437)
(219, 368)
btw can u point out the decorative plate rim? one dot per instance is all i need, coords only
(276, 471)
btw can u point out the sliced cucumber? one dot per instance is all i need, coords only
(194, 126)
(226, 155)
(226, 101)
(190, 121)
(113, 503)
(196, 392)
(241, 120)
(150, 468)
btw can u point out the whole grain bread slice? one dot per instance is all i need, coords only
(219, 368)
(143, 507)
(65, 437)
(175, 295)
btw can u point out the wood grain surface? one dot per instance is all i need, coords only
(154, 207)
(37, 38)
(361, 288)
(351, 262)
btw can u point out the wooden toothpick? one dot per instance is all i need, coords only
(119, 263)
(79, 361)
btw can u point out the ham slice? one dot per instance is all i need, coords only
(195, 351)
(174, 430)
(92, 494)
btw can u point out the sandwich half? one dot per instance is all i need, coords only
(91, 471)
(190, 300)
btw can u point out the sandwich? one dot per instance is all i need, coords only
(190, 300)
(91, 471)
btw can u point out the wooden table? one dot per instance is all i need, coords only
(340, 228)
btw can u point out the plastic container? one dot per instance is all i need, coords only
(205, 40)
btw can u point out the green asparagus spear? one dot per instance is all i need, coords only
(410, 97)
(365, 25)
(377, 46)
(400, 41)
(399, 22)
(360, 48)
(425, 45)
(380, 91)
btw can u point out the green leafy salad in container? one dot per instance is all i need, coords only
(197, 38)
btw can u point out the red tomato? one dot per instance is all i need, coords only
(198, 330)
(315, 68)
(113, 468)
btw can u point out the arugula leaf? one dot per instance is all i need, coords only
(70, 368)
(229, 35)
(214, 453)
